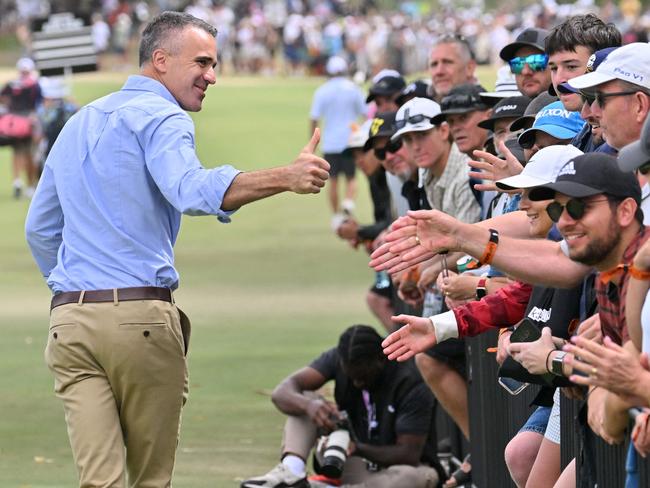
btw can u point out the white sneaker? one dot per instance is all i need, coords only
(348, 206)
(337, 220)
(278, 477)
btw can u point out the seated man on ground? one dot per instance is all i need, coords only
(389, 417)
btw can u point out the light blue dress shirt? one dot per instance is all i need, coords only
(108, 207)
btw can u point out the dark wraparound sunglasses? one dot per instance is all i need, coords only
(575, 207)
(536, 62)
(391, 147)
(413, 119)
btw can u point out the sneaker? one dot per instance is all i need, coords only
(337, 220)
(348, 206)
(322, 481)
(278, 477)
(17, 188)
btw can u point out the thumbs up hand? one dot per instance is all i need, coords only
(308, 173)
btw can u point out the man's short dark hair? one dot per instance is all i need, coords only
(159, 29)
(359, 343)
(582, 30)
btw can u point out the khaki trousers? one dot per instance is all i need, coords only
(120, 370)
(300, 435)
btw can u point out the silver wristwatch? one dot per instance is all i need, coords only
(556, 364)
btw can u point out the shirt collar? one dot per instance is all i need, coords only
(145, 83)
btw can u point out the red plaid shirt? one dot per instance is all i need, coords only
(611, 295)
(503, 308)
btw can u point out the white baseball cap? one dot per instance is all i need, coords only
(542, 168)
(629, 63)
(25, 64)
(336, 65)
(359, 135)
(415, 116)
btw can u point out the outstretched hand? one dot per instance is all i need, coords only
(309, 172)
(493, 168)
(415, 238)
(417, 335)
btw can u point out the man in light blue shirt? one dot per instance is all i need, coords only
(338, 103)
(102, 226)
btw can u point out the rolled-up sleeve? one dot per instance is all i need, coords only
(178, 173)
(44, 223)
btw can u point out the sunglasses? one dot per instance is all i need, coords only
(413, 119)
(462, 101)
(536, 62)
(575, 207)
(600, 97)
(391, 147)
(587, 98)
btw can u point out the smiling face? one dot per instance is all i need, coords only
(538, 220)
(531, 83)
(395, 163)
(565, 65)
(594, 237)
(187, 69)
(617, 115)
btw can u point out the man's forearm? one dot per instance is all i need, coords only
(537, 261)
(255, 185)
(289, 399)
(388, 455)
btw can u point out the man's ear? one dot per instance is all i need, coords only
(159, 60)
(626, 211)
(643, 107)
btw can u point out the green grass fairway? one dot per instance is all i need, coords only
(266, 294)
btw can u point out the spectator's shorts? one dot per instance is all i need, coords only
(451, 352)
(537, 421)
(341, 163)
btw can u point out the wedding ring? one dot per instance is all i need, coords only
(417, 239)
(594, 371)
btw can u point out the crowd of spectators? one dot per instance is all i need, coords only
(521, 209)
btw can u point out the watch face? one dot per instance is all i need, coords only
(556, 364)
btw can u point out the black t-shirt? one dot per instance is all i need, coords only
(400, 402)
(381, 204)
(23, 96)
(559, 309)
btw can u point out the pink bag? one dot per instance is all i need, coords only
(14, 127)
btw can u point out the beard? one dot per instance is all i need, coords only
(598, 249)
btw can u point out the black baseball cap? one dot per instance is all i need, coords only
(511, 107)
(531, 37)
(390, 84)
(637, 153)
(460, 100)
(591, 174)
(383, 125)
(538, 103)
(415, 89)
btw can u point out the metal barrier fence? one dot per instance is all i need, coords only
(496, 416)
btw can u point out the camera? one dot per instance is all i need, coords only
(336, 448)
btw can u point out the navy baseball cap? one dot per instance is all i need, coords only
(460, 100)
(591, 174)
(511, 107)
(387, 82)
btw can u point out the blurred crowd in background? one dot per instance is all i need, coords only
(297, 36)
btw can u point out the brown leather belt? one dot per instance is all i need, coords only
(115, 295)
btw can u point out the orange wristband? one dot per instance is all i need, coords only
(490, 248)
(639, 274)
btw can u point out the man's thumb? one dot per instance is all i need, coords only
(313, 142)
